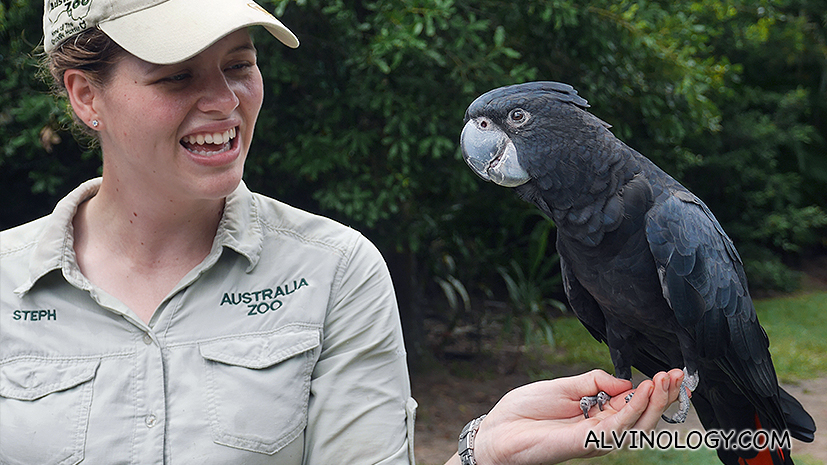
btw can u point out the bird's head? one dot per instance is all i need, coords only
(504, 126)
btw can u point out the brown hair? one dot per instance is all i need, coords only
(90, 51)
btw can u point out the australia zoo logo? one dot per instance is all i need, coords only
(67, 17)
(264, 300)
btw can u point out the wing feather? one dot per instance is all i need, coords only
(703, 282)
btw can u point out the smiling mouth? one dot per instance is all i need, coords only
(208, 145)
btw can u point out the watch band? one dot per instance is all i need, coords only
(466, 441)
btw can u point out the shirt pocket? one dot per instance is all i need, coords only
(44, 410)
(258, 388)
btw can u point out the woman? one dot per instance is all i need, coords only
(164, 313)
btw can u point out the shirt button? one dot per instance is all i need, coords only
(147, 339)
(151, 420)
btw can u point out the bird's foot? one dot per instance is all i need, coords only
(586, 403)
(629, 397)
(689, 383)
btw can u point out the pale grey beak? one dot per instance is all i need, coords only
(491, 154)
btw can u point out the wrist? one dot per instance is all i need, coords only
(467, 442)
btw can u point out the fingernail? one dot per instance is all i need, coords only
(665, 382)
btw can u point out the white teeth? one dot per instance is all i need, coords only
(218, 138)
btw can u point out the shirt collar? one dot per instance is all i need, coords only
(240, 227)
(239, 230)
(54, 249)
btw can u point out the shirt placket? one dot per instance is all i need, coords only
(150, 410)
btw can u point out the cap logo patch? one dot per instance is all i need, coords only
(74, 22)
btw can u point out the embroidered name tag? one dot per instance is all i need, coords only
(35, 315)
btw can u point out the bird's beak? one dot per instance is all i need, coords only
(491, 154)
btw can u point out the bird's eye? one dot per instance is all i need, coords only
(518, 115)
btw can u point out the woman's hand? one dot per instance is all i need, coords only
(541, 423)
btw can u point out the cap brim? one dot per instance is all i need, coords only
(177, 30)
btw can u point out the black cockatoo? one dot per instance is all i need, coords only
(646, 266)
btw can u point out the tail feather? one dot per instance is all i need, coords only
(800, 423)
(766, 456)
(763, 457)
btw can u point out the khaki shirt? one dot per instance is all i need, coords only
(282, 347)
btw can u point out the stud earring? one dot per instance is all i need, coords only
(95, 123)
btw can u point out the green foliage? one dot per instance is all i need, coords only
(530, 282)
(798, 334)
(376, 96)
(764, 172)
(767, 272)
(454, 291)
(575, 346)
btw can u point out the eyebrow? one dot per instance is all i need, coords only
(152, 67)
(244, 47)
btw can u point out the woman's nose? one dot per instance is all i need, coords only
(217, 95)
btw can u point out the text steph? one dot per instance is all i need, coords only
(34, 315)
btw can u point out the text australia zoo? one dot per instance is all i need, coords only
(265, 300)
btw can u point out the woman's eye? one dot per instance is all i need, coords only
(178, 77)
(239, 66)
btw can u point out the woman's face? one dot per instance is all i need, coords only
(183, 130)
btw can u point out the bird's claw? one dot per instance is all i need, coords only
(587, 402)
(689, 383)
(629, 397)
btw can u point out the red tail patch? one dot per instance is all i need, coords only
(765, 456)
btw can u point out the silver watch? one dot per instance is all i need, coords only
(466, 441)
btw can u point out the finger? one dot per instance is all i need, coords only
(608, 383)
(619, 401)
(658, 401)
(629, 414)
(589, 384)
(675, 378)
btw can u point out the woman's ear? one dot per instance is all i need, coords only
(82, 95)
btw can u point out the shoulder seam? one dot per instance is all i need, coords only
(18, 249)
(340, 250)
(341, 268)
